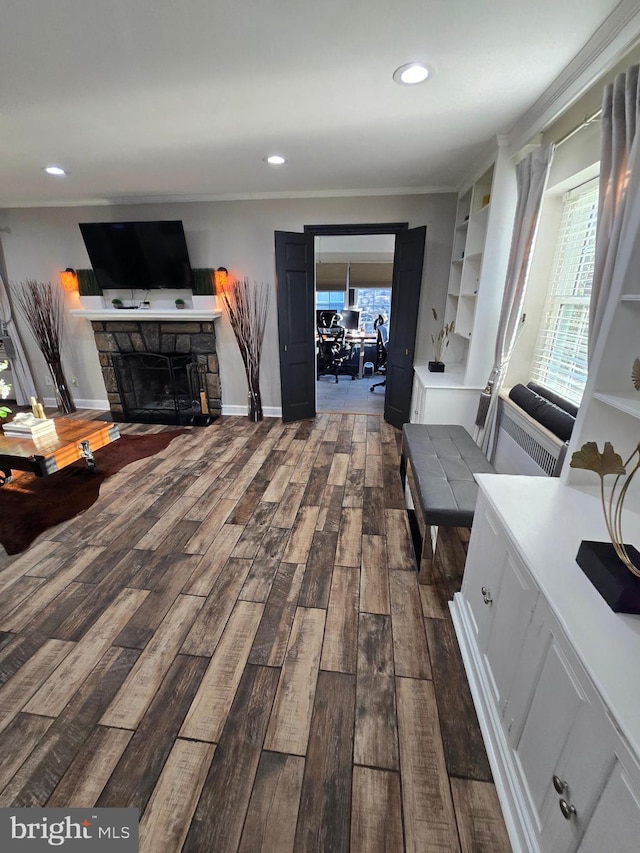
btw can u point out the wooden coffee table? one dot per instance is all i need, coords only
(74, 439)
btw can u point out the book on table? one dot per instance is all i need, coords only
(28, 427)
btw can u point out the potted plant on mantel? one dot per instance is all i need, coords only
(439, 344)
(612, 567)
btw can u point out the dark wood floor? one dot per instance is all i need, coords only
(233, 641)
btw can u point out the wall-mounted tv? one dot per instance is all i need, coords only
(138, 255)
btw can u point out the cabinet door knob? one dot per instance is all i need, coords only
(568, 809)
(486, 595)
(559, 784)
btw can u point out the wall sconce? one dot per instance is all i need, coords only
(220, 279)
(69, 280)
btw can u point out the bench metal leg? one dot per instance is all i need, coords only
(428, 555)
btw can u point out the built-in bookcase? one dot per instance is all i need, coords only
(610, 409)
(481, 241)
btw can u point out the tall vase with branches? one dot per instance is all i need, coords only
(247, 306)
(41, 306)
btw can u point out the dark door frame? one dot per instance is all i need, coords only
(364, 228)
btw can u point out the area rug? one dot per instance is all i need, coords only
(30, 505)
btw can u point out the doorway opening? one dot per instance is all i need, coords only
(353, 285)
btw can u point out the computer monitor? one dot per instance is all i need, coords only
(350, 319)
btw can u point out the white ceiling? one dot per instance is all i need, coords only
(160, 99)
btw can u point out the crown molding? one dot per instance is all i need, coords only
(616, 35)
(482, 161)
(180, 199)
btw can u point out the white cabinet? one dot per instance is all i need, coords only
(442, 398)
(550, 668)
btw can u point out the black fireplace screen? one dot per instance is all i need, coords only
(159, 388)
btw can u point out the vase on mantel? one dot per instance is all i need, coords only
(64, 399)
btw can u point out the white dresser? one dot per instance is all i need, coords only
(554, 673)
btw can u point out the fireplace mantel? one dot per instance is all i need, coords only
(142, 314)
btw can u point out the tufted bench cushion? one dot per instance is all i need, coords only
(439, 462)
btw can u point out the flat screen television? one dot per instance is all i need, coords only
(138, 255)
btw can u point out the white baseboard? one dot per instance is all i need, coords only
(521, 833)
(103, 405)
(98, 405)
(243, 411)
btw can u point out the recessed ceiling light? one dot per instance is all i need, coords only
(275, 160)
(411, 73)
(54, 170)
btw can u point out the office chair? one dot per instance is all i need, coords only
(382, 343)
(332, 351)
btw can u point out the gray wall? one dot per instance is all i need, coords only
(234, 234)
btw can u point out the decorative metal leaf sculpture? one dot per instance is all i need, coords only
(610, 462)
(590, 459)
(635, 374)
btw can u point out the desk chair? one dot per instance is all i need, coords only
(382, 343)
(333, 352)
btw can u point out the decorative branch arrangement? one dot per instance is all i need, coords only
(41, 306)
(589, 458)
(247, 308)
(440, 342)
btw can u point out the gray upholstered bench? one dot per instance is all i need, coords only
(438, 462)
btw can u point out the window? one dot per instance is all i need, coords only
(373, 301)
(330, 300)
(560, 356)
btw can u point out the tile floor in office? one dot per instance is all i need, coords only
(349, 396)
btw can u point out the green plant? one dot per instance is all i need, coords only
(589, 458)
(440, 342)
(180, 303)
(117, 303)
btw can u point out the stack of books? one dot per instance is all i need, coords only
(35, 428)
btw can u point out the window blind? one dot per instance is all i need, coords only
(560, 356)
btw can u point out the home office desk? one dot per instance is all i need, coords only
(360, 340)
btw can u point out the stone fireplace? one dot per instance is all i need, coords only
(188, 349)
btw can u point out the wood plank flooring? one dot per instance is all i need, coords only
(233, 641)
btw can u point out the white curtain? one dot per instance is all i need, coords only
(22, 378)
(619, 201)
(531, 179)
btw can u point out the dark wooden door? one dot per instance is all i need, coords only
(295, 297)
(405, 299)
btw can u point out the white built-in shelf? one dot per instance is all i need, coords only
(451, 377)
(631, 297)
(457, 260)
(474, 256)
(176, 315)
(462, 226)
(628, 402)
